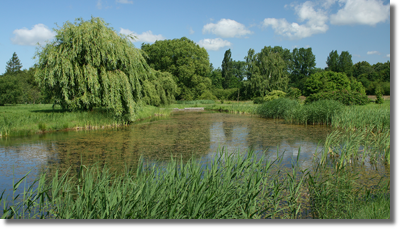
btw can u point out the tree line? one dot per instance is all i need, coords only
(89, 64)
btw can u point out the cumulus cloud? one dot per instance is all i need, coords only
(373, 52)
(214, 44)
(191, 31)
(314, 22)
(148, 36)
(226, 28)
(38, 34)
(388, 55)
(124, 1)
(366, 12)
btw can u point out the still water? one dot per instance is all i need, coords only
(182, 135)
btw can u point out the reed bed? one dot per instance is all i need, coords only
(231, 186)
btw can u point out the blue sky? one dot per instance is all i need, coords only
(361, 27)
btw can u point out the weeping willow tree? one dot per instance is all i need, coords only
(269, 72)
(89, 65)
(159, 89)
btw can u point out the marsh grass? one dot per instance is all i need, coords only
(230, 186)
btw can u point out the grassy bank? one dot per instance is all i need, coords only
(22, 120)
(242, 186)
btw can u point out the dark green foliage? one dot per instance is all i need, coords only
(207, 95)
(329, 81)
(303, 64)
(227, 69)
(186, 61)
(216, 77)
(225, 94)
(10, 90)
(333, 61)
(279, 108)
(378, 93)
(343, 96)
(13, 65)
(293, 93)
(258, 100)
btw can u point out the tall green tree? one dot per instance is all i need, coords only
(13, 65)
(250, 67)
(227, 71)
(89, 65)
(185, 60)
(271, 74)
(333, 61)
(303, 65)
(345, 63)
(11, 90)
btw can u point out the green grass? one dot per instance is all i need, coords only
(241, 186)
(22, 120)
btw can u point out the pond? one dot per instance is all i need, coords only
(182, 135)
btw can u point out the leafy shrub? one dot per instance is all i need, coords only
(258, 100)
(343, 96)
(294, 93)
(207, 95)
(328, 81)
(274, 94)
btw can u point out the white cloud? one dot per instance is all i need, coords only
(328, 3)
(148, 36)
(191, 31)
(214, 44)
(39, 33)
(124, 1)
(373, 52)
(226, 28)
(307, 46)
(315, 22)
(388, 55)
(98, 5)
(366, 12)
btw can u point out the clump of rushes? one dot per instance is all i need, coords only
(279, 108)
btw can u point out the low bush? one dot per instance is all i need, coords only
(275, 94)
(343, 96)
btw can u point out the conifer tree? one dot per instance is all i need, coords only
(13, 65)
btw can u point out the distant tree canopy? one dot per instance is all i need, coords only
(342, 63)
(186, 61)
(266, 71)
(89, 65)
(328, 81)
(18, 86)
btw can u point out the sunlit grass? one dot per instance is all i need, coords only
(22, 120)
